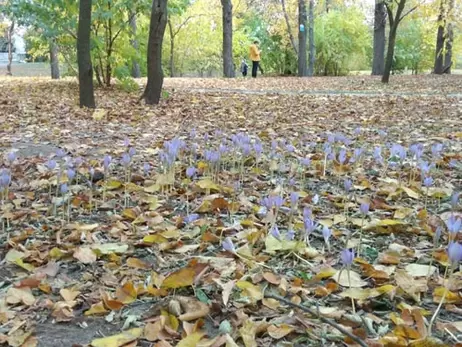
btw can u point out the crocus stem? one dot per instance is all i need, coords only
(438, 309)
(325, 166)
(426, 198)
(360, 237)
(349, 285)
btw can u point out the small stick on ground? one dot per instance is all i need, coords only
(321, 318)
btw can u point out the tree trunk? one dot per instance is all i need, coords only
(153, 90)
(9, 34)
(228, 65)
(394, 22)
(172, 49)
(448, 53)
(87, 98)
(289, 28)
(380, 17)
(302, 38)
(439, 62)
(54, 61)
(327, 6)
(136, 71)
(311, 39)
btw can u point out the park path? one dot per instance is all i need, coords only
(316, 92)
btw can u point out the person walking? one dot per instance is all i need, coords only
(255, 58)
(244, 67)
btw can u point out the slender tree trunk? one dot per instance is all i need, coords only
(153, 90)
(380, 18)
(289, 28)
(228, 64)
(109, 42)
(54, 61)
(302, 72)
(172, 49)
(311, 39)
(448, 53)
(9, 34)
(394, 22)
(439, 57)
(327, 6)
(87, 98)
(136, 71)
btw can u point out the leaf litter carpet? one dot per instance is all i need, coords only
(188, 224)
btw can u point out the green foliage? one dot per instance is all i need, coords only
(338, 37)
(414, 48)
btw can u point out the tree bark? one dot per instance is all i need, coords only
(228, 64)
(153, 90)
(302, 71)
(172, 49)
(394, 22)
(438, 66)
(448, 53)
(87, 98)
(289, 28)
(380, 17)
(311, 39)
(9, 34)
(54, 61)
(136, 71)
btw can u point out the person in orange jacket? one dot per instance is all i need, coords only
(255, 58)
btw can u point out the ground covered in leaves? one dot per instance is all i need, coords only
(179, 225)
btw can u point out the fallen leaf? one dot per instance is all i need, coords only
(181, 278)
(341, 277)
(278, 332)
(85, 255)
(119, 339)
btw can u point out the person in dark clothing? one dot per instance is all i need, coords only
(244, 67)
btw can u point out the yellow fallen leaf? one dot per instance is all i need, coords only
(154, 238)
(410, 192)
(138, 263)
(278, 332)
(250, 290)
(369, 293)
(69, 294)
(355, 281)
(428, 342)
(248, 332)
(191, 340)
(181, 278)
(97, 309)
(20, 295)
(112, 185)
(99, 114)
(127, 293)
(119, 339)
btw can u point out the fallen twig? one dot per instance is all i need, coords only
(321, 318)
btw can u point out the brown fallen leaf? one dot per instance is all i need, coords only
(194, 309)
(85, 255)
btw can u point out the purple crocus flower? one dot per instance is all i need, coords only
(378, 155)
(455, 199)
(347, 184)
(11, 157)
(305, 162)
(309, 225)
(146, 168)
(436, 150)
(326, 234)
(398, 151)
(191, 218)
(278, 201)
(190, 171)
(347, 256)
(290, 234)
(64, 188)
(357, 131)
(455, 253)
(438, 233)
(342, 156)
(125, 161)
(428, 181)
(70, 174)
(107, 161)
(364, 208)
(307, 213)
(293, 199)
(78, 161)
(275, 232)
(51, 164)
(132, 151)
(454, 224)
(382, 133)
(5, 179)
(60, 153)
(228, 245)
